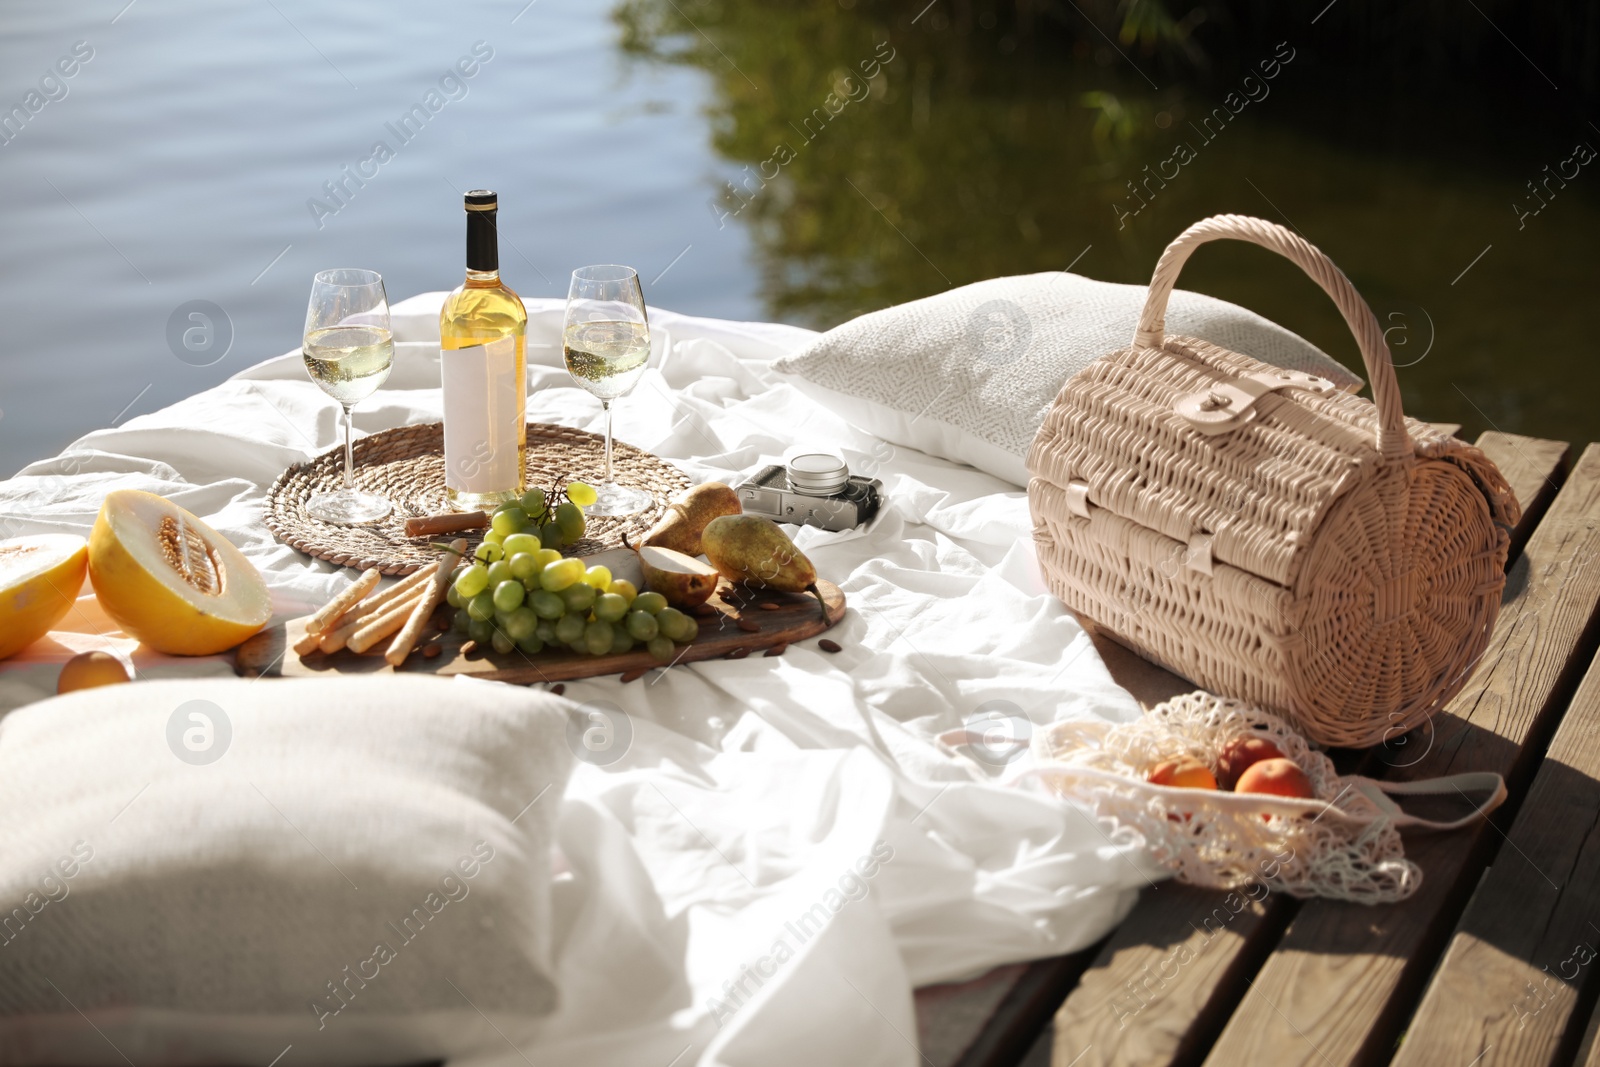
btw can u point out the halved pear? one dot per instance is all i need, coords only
(683, 580)
(40, 576)
(170, 580)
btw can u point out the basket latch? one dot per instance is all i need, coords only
(1226, 406)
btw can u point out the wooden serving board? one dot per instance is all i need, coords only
(794, 617)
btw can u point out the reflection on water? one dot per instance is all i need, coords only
(877, 161)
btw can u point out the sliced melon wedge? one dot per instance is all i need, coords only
(170, 580)
(40, 576)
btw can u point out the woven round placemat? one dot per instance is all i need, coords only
(406, 465)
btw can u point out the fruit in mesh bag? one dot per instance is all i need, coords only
(1280, 777)
(1183, 773)
(1239, 755)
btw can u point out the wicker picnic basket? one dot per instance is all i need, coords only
(1264, 534)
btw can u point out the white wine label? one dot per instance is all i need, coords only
(481, 407)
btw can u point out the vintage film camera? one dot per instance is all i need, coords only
(812, 489)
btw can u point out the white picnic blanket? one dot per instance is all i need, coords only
(785, 850)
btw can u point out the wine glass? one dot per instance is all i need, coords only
(348, 352)
(606, 342)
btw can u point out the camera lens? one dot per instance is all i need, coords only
(817, 474)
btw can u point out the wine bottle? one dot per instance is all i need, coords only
(483, 366)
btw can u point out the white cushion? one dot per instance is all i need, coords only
(968, 375)
(185, 890)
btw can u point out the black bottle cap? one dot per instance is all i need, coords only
(483, 240)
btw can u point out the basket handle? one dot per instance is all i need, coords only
(1393, 441)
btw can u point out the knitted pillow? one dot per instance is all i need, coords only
(968, 375)
(209, 871)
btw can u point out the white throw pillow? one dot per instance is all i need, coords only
(211, 871)
(968, 375)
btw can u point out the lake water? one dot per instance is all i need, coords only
(185, 159)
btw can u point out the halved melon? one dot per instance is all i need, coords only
(170, 580)
(40, 576)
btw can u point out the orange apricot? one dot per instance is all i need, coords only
(87, 670)
(1239, 755)
(1185, 773)
(1277, 777)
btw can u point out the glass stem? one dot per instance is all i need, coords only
(606, 405)
(349, 453)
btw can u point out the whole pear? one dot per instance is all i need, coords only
(681, 525)
(753, 551)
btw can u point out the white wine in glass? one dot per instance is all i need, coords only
(348, 352)
(349, 362)
(606, 342)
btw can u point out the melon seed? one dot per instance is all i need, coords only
(188, 553)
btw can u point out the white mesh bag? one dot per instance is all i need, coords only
(1344, 844)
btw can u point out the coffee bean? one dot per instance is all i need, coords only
(739, 653)
(777, 649)
(559, 688)
(749, 626)
(704, 611)
(769, 606)
(634, 675)
(471, 649)
(829, 645)
(431, 651)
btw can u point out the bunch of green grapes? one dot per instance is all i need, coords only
(532, 598)
(553, 522)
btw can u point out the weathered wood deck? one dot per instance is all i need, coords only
(1492, 962)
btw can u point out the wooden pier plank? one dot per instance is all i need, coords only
(1340, 985)
(1510, 986)
(1161, 989)
(951, 1015)
(1534, 467)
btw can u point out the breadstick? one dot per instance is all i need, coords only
(369, 609)
(401, 646)
(308, 644)
(343, 602)
(384, 625)
(405, 587)
(335, 639)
